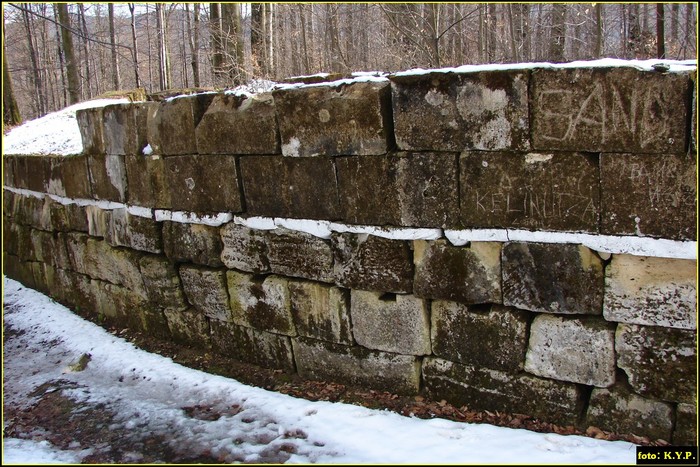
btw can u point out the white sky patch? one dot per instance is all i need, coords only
(148, 393)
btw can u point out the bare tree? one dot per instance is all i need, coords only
(10, 109)
(660, 32)
(135, 48)
(163, 54)
(71, 64)
(194, 41)
(116, 80)
(233, 42)
(558, 36)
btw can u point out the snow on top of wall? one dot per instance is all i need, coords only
(358, 77)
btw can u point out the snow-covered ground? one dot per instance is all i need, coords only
(148, 393)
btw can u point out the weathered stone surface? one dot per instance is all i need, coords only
(206, 290)
(368, 262)
(260, 302)
(70, 177)
(33, 211)
(49, 249)
(171, 124)
(390, 322)
(457, 111)
(378, 205)
(298, 254)
(147, 182)
(248, 345)
(203, 183)
(91, 125)
(107, 177)
(277, 186)
(356, 365)
(68, 217)
(651, 291)
(188, 327)
(553, 191)
(34, 172)
(342, 119)
(618, 410)
(609, 109)
(495, 338)
(243, 249)
(99, 221)
(17, 241)
(553, 278)
(239, 124)
(649, 195)
(659, 362)
(162, 282)
(192, 243)
(485, 389)
(9, 170)
(470, 275)
(320, 311)
(136, 232)
(686, 429)
(577, 350)
(125, 127)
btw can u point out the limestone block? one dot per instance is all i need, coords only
(470, 274)
(146, 179)
(162, 283)
(277, 186)
(17, 241)
(459, 111)
(298, 254)
(136, 232)
(368, 262)
(9, 200)
(50, 249)
(249, 345)
(72, 290)
(98, 220)
(26, 272)
(171, 125)
(577, 350)
(330, 120)
(660, 363)
(206, 290)
(68, 217)
(203, 183)
(195, 243)
(649, 195)
(260, 303)
(552, 278)
(33, 211)
(188, 327)
(125, 127)
(651, 291)
(243, 249)
(609, 109)
(486, 389)
(390, 322)
(239, 124)
(549, 191)
(108, 177)
(356, 366)
(685, 432)
(70, 177)
(495, 338)
(91, 125)
(619, 410)
(9, 170)
(34, 172)
(320, 311)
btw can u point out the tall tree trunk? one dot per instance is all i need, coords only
(163, 58)
(675, 8)
(71, 64)
(10, 109)
(660, 31)
(512, 20)
(116, 80)
(217, 44)
(61, 61)
(87, 90)
(194, 41)
(558, 38)
(305, 48)
(598, 52)
(491, 33)
(233, 40)
(135, 49)
(258, 33)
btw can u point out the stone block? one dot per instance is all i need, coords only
(276, 186)
(320, 311)
(17, 241)
(243, 249)
(34, 172)
(356, 366)
(495, 338)
(33, 211)
(470, 274)
(9, 170)
(619, 410)
(188, 327)
(390, 322)
(609, 110)
(239, 124)
(70, 177)
(651, 291)
(72, 290)
(192, 243)
(360, 205)
(125, 128)
(162, 283)
(50, 249)
(146, 179)
(108, 177)
(252, 346)
(99, 221)
(206, 290)
(685, 433)
(660, 363)
(91, 125)
(580, 350)
(136, 232)
(335, 119)
(493, 390)
(171, 124)
(547, 191)
(649, 195)
(203, 183)
(552, 278)
(68, 217)
(261, 303)
(298, 254)
(368, 262)
(459, 111)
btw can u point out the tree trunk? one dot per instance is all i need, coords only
(233, 40)
(59, 48)
(558, 38)
(163, 59)
(116, 80)
(135, 49)
(10, 109)
(660, 31)
(217, 47)
(675, 8)
(258, 31)
(87, 90)
(194, 41)
(491, 32)
(598, 52)
(304, 49)
(71, 65)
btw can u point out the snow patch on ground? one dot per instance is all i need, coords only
(28, 452)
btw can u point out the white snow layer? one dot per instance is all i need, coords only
(148, 393)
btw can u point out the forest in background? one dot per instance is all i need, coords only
(56, 54)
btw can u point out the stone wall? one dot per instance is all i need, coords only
(383, 232)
